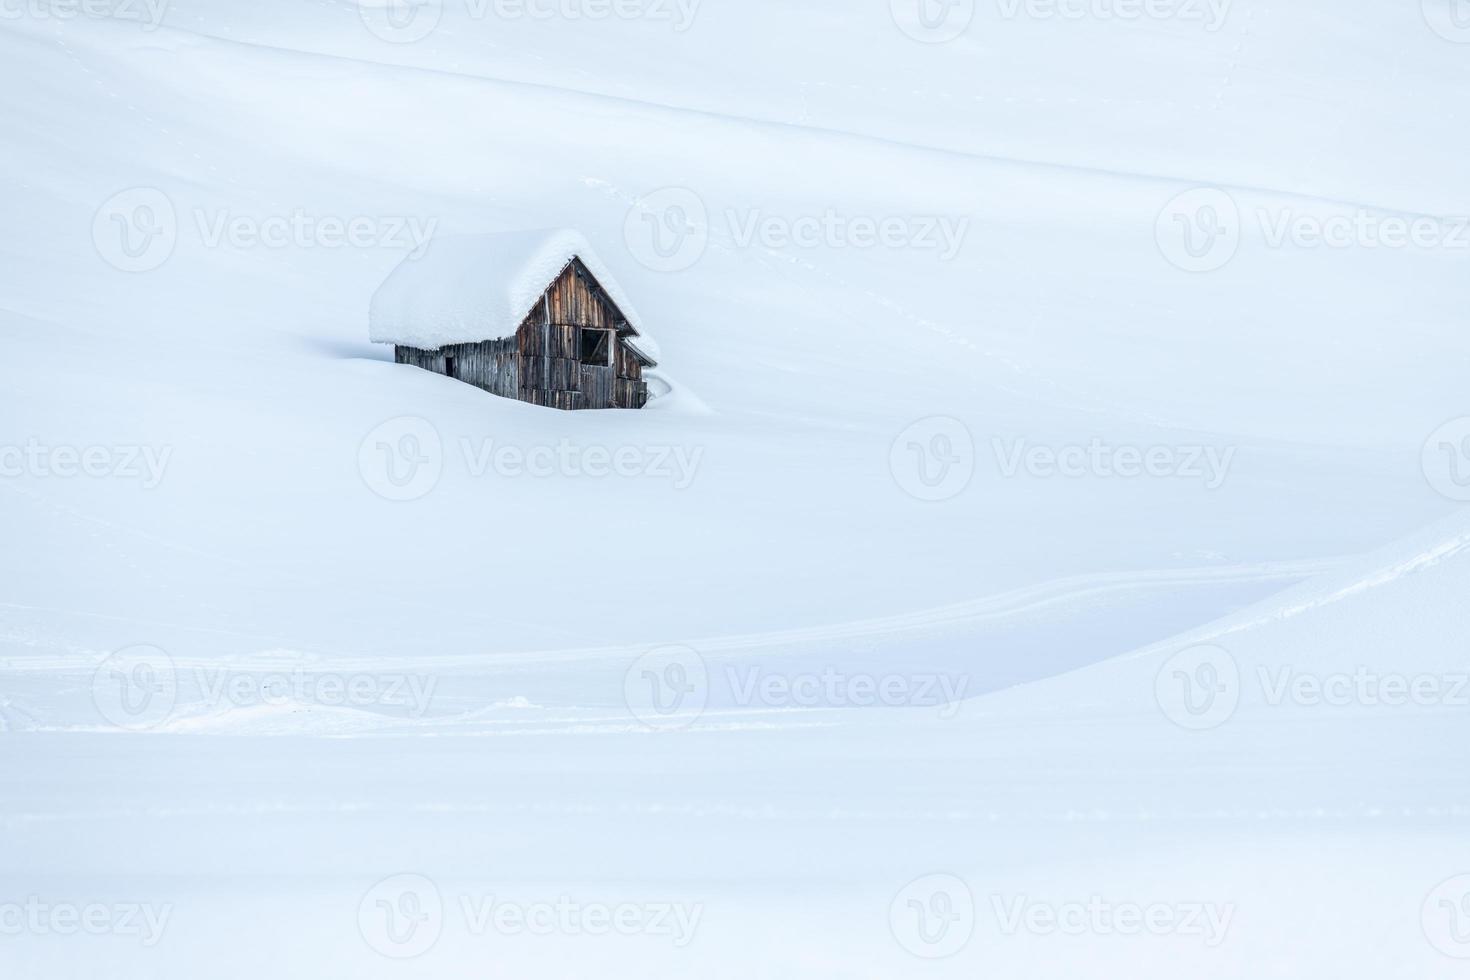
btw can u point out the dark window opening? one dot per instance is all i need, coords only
(595, 347)
(449, 367)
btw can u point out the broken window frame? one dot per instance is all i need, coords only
(604, 346)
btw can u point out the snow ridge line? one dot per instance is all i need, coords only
(626, 102)
(998, 606)
(1285, 609)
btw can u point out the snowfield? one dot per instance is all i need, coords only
(1044, 555)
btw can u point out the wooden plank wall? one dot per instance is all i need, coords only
(491, 364)
(597, 386)
(575, 298)
(628, 364)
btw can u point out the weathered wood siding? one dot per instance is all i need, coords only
(490, 364)
(628, 364)
(542, 364)
(628, 387)
(597, 386)
(576, 298)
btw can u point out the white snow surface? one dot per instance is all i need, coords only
(248, 527)
(467, 288)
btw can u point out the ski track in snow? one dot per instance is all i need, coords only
(1282, 609)
(1014, 603)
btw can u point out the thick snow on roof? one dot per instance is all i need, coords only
(468, 288)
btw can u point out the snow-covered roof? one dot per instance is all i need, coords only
(467, 288)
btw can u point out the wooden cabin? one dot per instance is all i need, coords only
(533, 316)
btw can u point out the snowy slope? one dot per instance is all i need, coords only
(257, 373)
(1309, 836)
